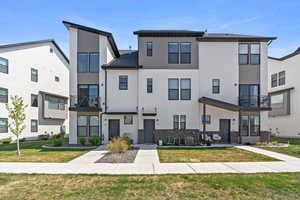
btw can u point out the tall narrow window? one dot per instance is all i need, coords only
(173, 93)
(34, 75)
(3, 125)
(274, 80)
(94, 62)
(243, 54)
(244, 124)
(34, 100)
(123, 82)
(94, 126)
(254, 54)
(3, 65)
(185, 53)
(281, 78)
(83, 62)
(34, 125)
(149, 85)
(149, 48)
(173, 53)
(216, 86)
(82, 123)
(3, 95)
(176, 122)
(254, 125)
(185, 89)
(182, 122)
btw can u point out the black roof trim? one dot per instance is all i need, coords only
(128, 60)
(230, 36)
(218, 103)
(97, 31)
(51, 94)
(168, 33)
(285, 57)
(283, 90)
(37, 42)
(121, 113)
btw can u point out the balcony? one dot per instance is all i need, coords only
(255, 102)
(78, 103)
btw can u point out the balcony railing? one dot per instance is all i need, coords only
(256, 102)
(84, 102)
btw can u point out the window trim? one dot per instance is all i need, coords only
(5, 97)
(6, 127)
(216, 87)
(89, 62)
(33, 75)
(249, 54)
(126, 76)
(149, 85)
(178, 96)
(6, 66)
(149, 51)
(32, 129)
(37, 100)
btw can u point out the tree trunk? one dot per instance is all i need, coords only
(18, 147)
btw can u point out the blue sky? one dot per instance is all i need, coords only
(28, 20)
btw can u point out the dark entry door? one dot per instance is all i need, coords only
(149, 127)
(113, 128)
(225, 130)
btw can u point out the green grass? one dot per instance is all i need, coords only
(33, 152)
(275, 186)
(226, 154)
(292, 150)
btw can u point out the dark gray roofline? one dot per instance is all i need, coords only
(168, 33)
(236, 38)
(285, 57)
(283, 90)
(104, 33)
(37, 42)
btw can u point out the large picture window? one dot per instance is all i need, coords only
(277, 101)
(56, 103)
(88, 95)
(88, 62)
(3, 65)
(87, 126)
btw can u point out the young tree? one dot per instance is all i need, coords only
(16, 115)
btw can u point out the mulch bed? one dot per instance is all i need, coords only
(127, 157)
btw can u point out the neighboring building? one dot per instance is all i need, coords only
(284, 81)
(178, 83)
(38, 72)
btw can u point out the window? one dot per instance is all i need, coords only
(3, 125)
(179, 122)
(206, 119)
(185, 89)
(173, 93)
(34, 125)
(149, 85)
(274, 80)
(123, 82)
(281, 78)
(216, 86)
(185, 53)
(56, 103)
(88, 95)
(34, 75)
(87, 126)
(243, 54)
(249, 95)
(3, 95)
(149, 48)
(277, 101)
(34, 100)
(250, 124)
(3, 65)
(56, 78)
(173, 53)
(88, 62)
(254, 54)
(128, 119)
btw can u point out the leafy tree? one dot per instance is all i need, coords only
(16, 115)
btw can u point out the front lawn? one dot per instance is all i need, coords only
(292, 150)
(163, 187)
(33, 152)
(225, 154)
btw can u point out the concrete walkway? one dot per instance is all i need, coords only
(147, 162)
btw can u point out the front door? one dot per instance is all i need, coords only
(113, 128)
(225, 130)
(149, 127)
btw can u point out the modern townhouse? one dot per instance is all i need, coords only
(179, 86)
(284, 81)
(39, 73)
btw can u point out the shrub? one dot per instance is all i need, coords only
(6, 140)
(95, 141)
(82, 141)
(60, 135)
(58, 142)
(128, 140)
(118, 145)
(264, 143)
(258, 143)
(274, 142)
(45, 136)
(22, 139)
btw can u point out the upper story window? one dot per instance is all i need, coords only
(274, 80)
(149, 85)
(149, 48)
(88, 62)
(56, 103)
(216, 86)
(3, 95)
(277, 101)
(34, 100)
(179, 122)
(173, 93)
(88, 95)
(249, 54)
(34, 75)
(3, 65)
(185, 89)
(123, 82)
(281, 78)
(173, 89)
(179, 53)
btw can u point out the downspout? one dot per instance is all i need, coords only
(105, 89)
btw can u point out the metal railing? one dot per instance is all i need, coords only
(84, 102)
(254, 101)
